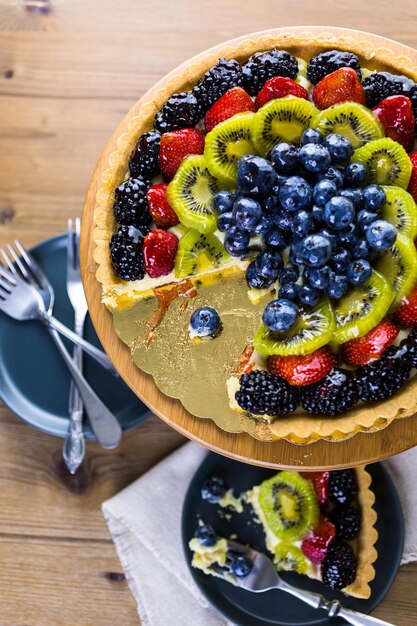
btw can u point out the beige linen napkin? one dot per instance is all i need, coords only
(145, 523)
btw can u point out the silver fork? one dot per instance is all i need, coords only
(22, 301)
(264, 577)
(74, 444)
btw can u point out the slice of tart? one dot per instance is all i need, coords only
(320, 525)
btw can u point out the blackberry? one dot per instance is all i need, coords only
(214, 84)
(343, 486)
(330, 61)
(180, 111)
(144, 160)
(130, 202)
(126, 252)
(335, 393)
(380, 85)
(410, 343)
(339, 566)
(263, 393)
(382, 379)
(262, 66)
(413, 97)
(347, 521)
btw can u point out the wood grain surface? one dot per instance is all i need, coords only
(66, 80)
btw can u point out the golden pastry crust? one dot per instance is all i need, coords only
(298, 429)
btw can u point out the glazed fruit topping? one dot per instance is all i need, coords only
(406, 314)
(181, 110)
(381, 85)
(130, 203)
(219, 79)
(347, 520)
(234, 101)
(126, 252)
(263, 393)
(213, 489)
(371, 346)
(334, 394)
(330, 61)
(279, 87)
(320, 482)
(144, 160)
(304, 369)
(262, 66)
(340, 86)
(396, 116)
(338, 568)
(175, 146)
(159, 250)
(316, 545)
(383, 378)
(161, 211)
(343, 486)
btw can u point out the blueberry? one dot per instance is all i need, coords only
(265, 225)
(355, 195)
(236, 241)
(247, 214)
(317, 277)
(240, 566)
(294, 194)
(330, 235)
(255, 280)
(317, 213)
(288, 275)
(296, 250)
(361, 250)
(365, 218)
(381, 235)
(324, 191)
(314, 157)
(374, 197)
(225, 221)
(271, 204)
(284, 157)
(332, 174)
(289, 291)
(255, 176)
(223, 201)
(309, 296)
(206, 536)
(205, 321)
(359, 272)
(340, 260)
(338, 286)
(268, 263)
(348, 236)
(280, 315)
(339, 147)
(316, 250)
(283, 221)
(355, 175)
(311, 135)
(303, 223)
(213, 489)
(274, 239)
(338, 212)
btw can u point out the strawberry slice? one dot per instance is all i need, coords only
(161, 211)
(339, 86)
(406, 314)
(320, 482)
(396, 116)
(412, 187)
(279, 87)
(236, 100)
(315, 546)
(371, 346)
(303, 369)
(176, 145)
(159, 250)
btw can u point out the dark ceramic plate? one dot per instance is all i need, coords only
(34, 381)
(276, 608)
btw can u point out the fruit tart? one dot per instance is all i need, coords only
(261, 212)
(319, 525)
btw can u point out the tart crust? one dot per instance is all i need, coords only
(117, 293)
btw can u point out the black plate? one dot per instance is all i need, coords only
(277, 608)
(34, 381)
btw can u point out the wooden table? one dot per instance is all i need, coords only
(66, 79)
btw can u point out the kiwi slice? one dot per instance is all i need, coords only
(399, 266)
(191, 192)
(313, 329)
(281, 120)
(386, 161)
(228, 142)
(289, 558)
(350, 119)
(289, 504)
(401, 210)
(197, 253)
(363, 308)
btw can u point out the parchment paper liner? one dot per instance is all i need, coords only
(298, 429)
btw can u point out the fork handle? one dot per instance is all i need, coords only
(332, 607)
(98, 414)
(94, 352)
